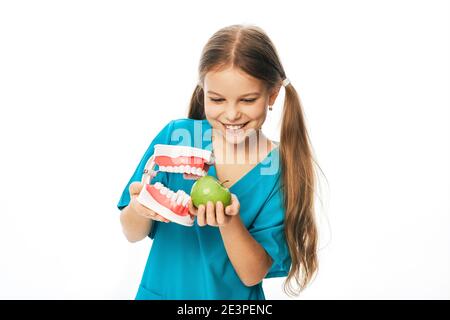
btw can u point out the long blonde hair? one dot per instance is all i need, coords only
(249, 48)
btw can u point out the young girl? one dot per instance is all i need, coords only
(269, 229)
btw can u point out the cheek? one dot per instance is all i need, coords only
(257, 112)
(211, 112)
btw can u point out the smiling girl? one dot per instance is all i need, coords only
(269, 229)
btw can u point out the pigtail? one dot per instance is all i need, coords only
(196, 106)
(298, 182)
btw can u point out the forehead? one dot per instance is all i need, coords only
(232, 82)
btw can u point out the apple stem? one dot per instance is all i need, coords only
(221, 183)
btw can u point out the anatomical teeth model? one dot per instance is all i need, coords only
(192, 162)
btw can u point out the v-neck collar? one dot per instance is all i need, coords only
(239, 184)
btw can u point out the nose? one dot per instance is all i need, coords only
(232, 113)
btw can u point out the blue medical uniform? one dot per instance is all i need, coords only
(191, 262)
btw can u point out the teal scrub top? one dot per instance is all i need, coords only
(191, 262)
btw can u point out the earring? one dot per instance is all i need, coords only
(270, 108)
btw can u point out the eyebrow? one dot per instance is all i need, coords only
(247, 94)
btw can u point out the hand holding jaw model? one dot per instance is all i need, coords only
(192, 162)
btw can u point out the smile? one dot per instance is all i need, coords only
(234, 126)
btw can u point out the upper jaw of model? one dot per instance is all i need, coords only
(192, 162)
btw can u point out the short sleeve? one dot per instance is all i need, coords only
(163, 137)
(268, 230)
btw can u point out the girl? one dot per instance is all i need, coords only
(269, 229)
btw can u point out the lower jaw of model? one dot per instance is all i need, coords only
(193, 163)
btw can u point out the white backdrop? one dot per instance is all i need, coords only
(85, 86)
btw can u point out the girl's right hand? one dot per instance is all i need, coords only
(134, 189)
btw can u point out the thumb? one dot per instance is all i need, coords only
(135, 188)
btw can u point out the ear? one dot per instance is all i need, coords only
(274, 94)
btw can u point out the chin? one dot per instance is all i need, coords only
(237, 140)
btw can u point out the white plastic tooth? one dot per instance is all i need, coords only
(199, 171)
(169, 194)
(162, 168)
(186, 200)
(178, 194)
(169, 169)
(203, 173)
(164, 190)
(179, 200)
(174, 197)
(158, 185)
(187, 169)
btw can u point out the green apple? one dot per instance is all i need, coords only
(208, 188)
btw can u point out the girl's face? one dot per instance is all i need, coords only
(236, 103)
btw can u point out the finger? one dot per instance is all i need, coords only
(145, 212)
(220, 214)
(162, 219)
(235, 205)
(210, 214)
(154, 216)
(135, 188)
(201, 215)
(148, 213)
(192, 209)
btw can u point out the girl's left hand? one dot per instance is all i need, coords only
(217, 216)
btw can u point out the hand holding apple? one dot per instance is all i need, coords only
(213, 204)
(208, 188)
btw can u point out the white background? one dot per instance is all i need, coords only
(85, 86)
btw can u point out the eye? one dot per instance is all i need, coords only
(216, 100)
(249, 100)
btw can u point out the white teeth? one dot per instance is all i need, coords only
(183, 169)
(179, 194)
(179, 200)
(234, 127)
(180, 197)
(158, 185)
(186, 200)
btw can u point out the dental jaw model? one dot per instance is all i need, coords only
(193, 163)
